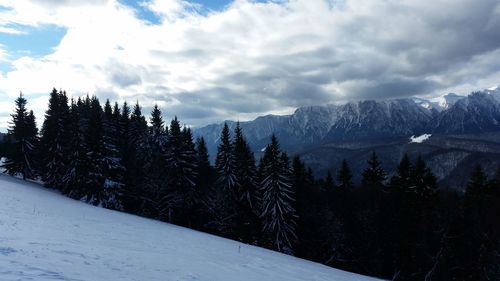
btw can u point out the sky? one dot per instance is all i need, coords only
(208, 61)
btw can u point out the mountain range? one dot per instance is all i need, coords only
(351, 128)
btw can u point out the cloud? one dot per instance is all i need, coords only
(253, 58)
(3, 53)
(123, 75)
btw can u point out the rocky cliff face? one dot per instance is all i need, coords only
(479, 112)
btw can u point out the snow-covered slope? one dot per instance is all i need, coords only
(420, 139)
(45, 236)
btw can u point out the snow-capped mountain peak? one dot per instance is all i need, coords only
(369, 119)
(447, 100)
(495, 92)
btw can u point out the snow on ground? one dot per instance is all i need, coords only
(420, 139)
(46, 236)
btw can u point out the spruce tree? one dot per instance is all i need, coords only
(423, 180)
(116, 117)
(75, 179)
(189, 177)
(157, 130)
(154, 165)
(224, 162)
(205, 173)
(245, 170)
(402, 180)
(329, 183)
(246, 192)
(344, 177)
(138, 126)
(477, 184)
(374, 175)
(23, 136)
(223, 202)
(129, 194)
(204, 184)
(135, 175)
(306, 207)
(113, 171)
(94, 138)
(55, 140)
(278, 214)
(180, 158)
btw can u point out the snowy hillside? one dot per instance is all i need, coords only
(45, 236)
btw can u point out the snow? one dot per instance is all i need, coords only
(427, 104)
(420, 138)
(447, 100)
(46, 236)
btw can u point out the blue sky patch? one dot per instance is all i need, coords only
(34, 42)
(147, 15)
(142, 12)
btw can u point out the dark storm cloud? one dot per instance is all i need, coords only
(390, 88)
(357, 50)
(252, 58)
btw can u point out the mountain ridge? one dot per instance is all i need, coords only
(369, 119)
(459, 131)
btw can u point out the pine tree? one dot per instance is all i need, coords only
(137, 150)
(224, 162)
(55, 140)
(188, 177)
(74, 181)
(94, 139)
(124, 133)
(129, 194)
(223, 201)
(306, 206)
(116, 117)
(344, 177)
(423, 181)
(204, 184)
(154, 165)
(477, 184)
(402, 180)
(113, 171)
(374, 175)
(35, 144)
(245, 170)
(205, 173)
(278, 214)
(180, 158)
(23, 135)
(299, 174)
(138, 126)
(246, 192)
(329, 183)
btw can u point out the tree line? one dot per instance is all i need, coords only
(402, 227)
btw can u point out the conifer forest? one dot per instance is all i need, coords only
(398, 227)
